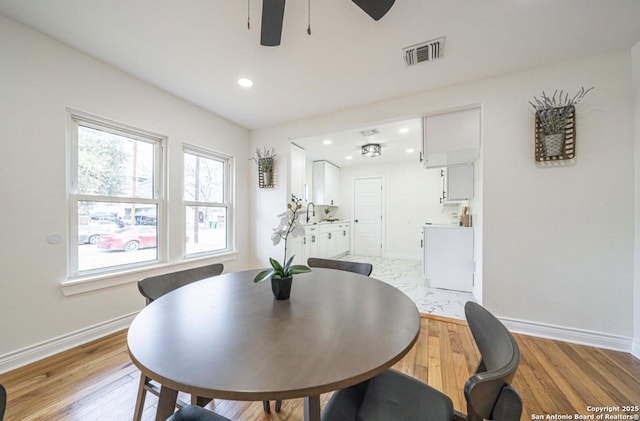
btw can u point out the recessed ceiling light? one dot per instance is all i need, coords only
(348, 157)
(410, 150)
(327, 142)
(403, 130)
(245, 82)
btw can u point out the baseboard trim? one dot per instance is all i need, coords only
(33, 353)
(566, 334)
(635, 348)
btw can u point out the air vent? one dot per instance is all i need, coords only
(425, 51)
(369, 133)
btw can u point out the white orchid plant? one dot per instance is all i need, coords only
(289, 226)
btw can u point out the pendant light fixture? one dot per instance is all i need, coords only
(371, 150)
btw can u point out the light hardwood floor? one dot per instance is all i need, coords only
(97, 381)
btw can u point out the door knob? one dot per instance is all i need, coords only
(355, 221)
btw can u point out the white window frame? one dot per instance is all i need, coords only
(228, 203)
(78, 118)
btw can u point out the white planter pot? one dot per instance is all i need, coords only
(553, 144)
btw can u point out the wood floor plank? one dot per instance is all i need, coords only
(571, 367)
(557, 387)
(98, 382)
(618, 385)
(434, 373)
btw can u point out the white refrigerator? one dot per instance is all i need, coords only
(448, 257)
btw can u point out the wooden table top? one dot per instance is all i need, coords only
(226, 337)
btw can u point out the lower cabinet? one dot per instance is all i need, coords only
(325, 241)
(343, 239)
(310, 243)
(295, 248)
(448, 257)
(304, 247)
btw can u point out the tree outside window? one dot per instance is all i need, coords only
(114, 196)
(207, 201)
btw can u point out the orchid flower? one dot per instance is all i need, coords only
(289, 225)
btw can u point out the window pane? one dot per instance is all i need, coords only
(203, 179)
(113, 165)
(114, 234)
(206, 229)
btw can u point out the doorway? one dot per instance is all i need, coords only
(367, 216)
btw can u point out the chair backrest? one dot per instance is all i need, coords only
(155, 287)
(3, 401)
(361, 268)
(489, 392)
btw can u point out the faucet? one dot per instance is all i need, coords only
(314, 210)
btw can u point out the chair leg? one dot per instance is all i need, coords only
(278, 406)
(266, 405)
(142, 394)
(199, 400)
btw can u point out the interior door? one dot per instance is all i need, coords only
(367, 212)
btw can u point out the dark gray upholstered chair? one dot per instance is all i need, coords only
(315, 262)
(395, 396)
(361, 268)
(3, 401)
(195, 413)
(153, 288)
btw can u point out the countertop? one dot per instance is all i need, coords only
(309, 224)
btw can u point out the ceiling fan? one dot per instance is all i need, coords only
(273, 16)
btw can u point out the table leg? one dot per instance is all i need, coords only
(312, 408)
(166, 403)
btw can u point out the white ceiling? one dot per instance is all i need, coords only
(196, 49)
(396, 145)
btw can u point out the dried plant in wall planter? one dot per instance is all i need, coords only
(554, 115)
(265, 158)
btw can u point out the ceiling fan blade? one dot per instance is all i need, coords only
(272, 18)
(375, 8)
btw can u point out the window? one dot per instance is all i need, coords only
(115, 193)
(207, 201)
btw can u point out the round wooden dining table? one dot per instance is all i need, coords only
(228, 338)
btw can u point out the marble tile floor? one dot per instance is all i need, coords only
(406, 275)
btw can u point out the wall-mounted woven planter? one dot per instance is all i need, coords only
(265, 173)
(559, 146)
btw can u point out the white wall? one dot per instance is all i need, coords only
(411, 198)
(556, 244)
(635, 57)
(39, 78)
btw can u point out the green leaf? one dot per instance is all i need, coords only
(288, 264)
(275, 264)
(265, 274)
(299, 269)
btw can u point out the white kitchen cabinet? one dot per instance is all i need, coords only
(298, 163)
(331, 241)
(310, 243)
(325, 243)
(295, 247)
(326, 179)
(304, 247)
(451, 138)
(457, 183)
(448, 257)
(342, 236)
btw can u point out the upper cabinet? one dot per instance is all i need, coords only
(326, 179)
(457, 183)
(451, 138)
(297, 181)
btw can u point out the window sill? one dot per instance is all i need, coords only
(81, 285)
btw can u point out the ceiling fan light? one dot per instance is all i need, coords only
(371, 150)
(245, 82)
